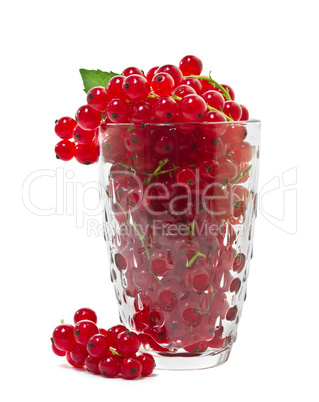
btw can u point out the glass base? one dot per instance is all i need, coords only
(187, 362)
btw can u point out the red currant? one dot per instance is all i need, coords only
(83, 331)
(214, 99)
(191, 65)
(113, 332)
(239, 263)
(63, 337)
(243, 151)
(173, 71)
(98, 346)
(245, 113)
(118, 110)
(109, 366)
(78, 354)
(209, 169)
(135, 88)
(72, 362)
(164, 145)
(64, 150)
(132, 70)
(183, 90)
(141, 112)
(162, 84)
(148, 364)
(98, 98)
(215, 126)
(64, 127)
(88, 118)
(85, 313)
(192, 108)
(83, 136)
(185, 175)
(113, 149)
(235, 133)
(194, 83)
(127, 343)
(55, 350)
(165, 108)
(86, 153)
(92, 364)
(114, 87)
(131, 368)
(233, 110)
(150, 74)
(135, 141)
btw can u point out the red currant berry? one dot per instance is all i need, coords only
(185, 175)
(141, 112)
(113, 332)
(183, 90)
(245, 113)
(243, 151)
(92, 364)
(191, 65)
(194, 83)
(78, 354)
(83, 331)
(192, 108)
(131, 368)
(83, 136)
(64, 150)
(162, 84)
(232, 313)
(118, 110)
(64, 127)
(98, 346)
(168, 299)
(109, 366)
(72, 362)
(88, 118)
(235, 285)
(150, 74)
(132, 70)
(206, 85)
(114, 87)
(113, 149)
(148, 364)
(214, 124)
(227, 171)
(173, 71)
(127, 343)
(235, 133)
(63, 337)
(55, 350)
(214, 147)
(135, 141)
(85, 313)
(191, 316)
(86, 153)
(229, 89)
(164, 145)
(209, 169)
(233, 110)
(136, 88)
(98, 98)
(214, 99)
(165, 108)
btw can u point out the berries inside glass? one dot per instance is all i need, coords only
(180, 203)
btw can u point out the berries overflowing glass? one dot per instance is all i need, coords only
(178, 162)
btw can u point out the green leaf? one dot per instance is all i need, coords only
(95, 78)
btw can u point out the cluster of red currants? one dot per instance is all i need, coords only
(111, 352)
(166, 94)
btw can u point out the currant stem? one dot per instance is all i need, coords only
(114, 352)
(220, 111)
(156, 171)
(194, 258)
(216, 84)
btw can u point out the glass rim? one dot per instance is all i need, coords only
(181, 123)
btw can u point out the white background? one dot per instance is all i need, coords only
(51, 266)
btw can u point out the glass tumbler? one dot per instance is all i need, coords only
(180, 204)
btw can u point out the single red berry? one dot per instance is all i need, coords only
(164, 145)
(235, 285)
(109, 366)
(135, 141)
(64, 127)
(165, 108)
(245, 113)
(209, 169)
(162, 84)
(183, 90)
(132, 70)
(113, 149)
(88, 118)
(55, 350)
(173, 71)
(64, 150)
(98, 98)
(235, 133)
(131, 368)
(148, 364)
(78, 354)
(194, 83)
(83, 136)
(92, 364)
(214, 99)
(232, 313)
(191, 65)
(185, 175)
(192, 108)
(98, 346)
(113, 332)
(63, 337)
(135, 88)
(71, 361)
(102, 331)
(243, 151)
(214, 124)
(127, 343)
(114, 87)
(150, 74)
(206, 85)
(141, 112)
(233, 110)
(83, 331)
(86, 153)
(85, 313)
(118, 110)
(229, 89)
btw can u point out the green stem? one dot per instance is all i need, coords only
(220, 111)
(156, 171)
(194, 258)
(216, 84)
(114, 352)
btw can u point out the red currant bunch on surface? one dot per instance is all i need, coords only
(110, 353)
